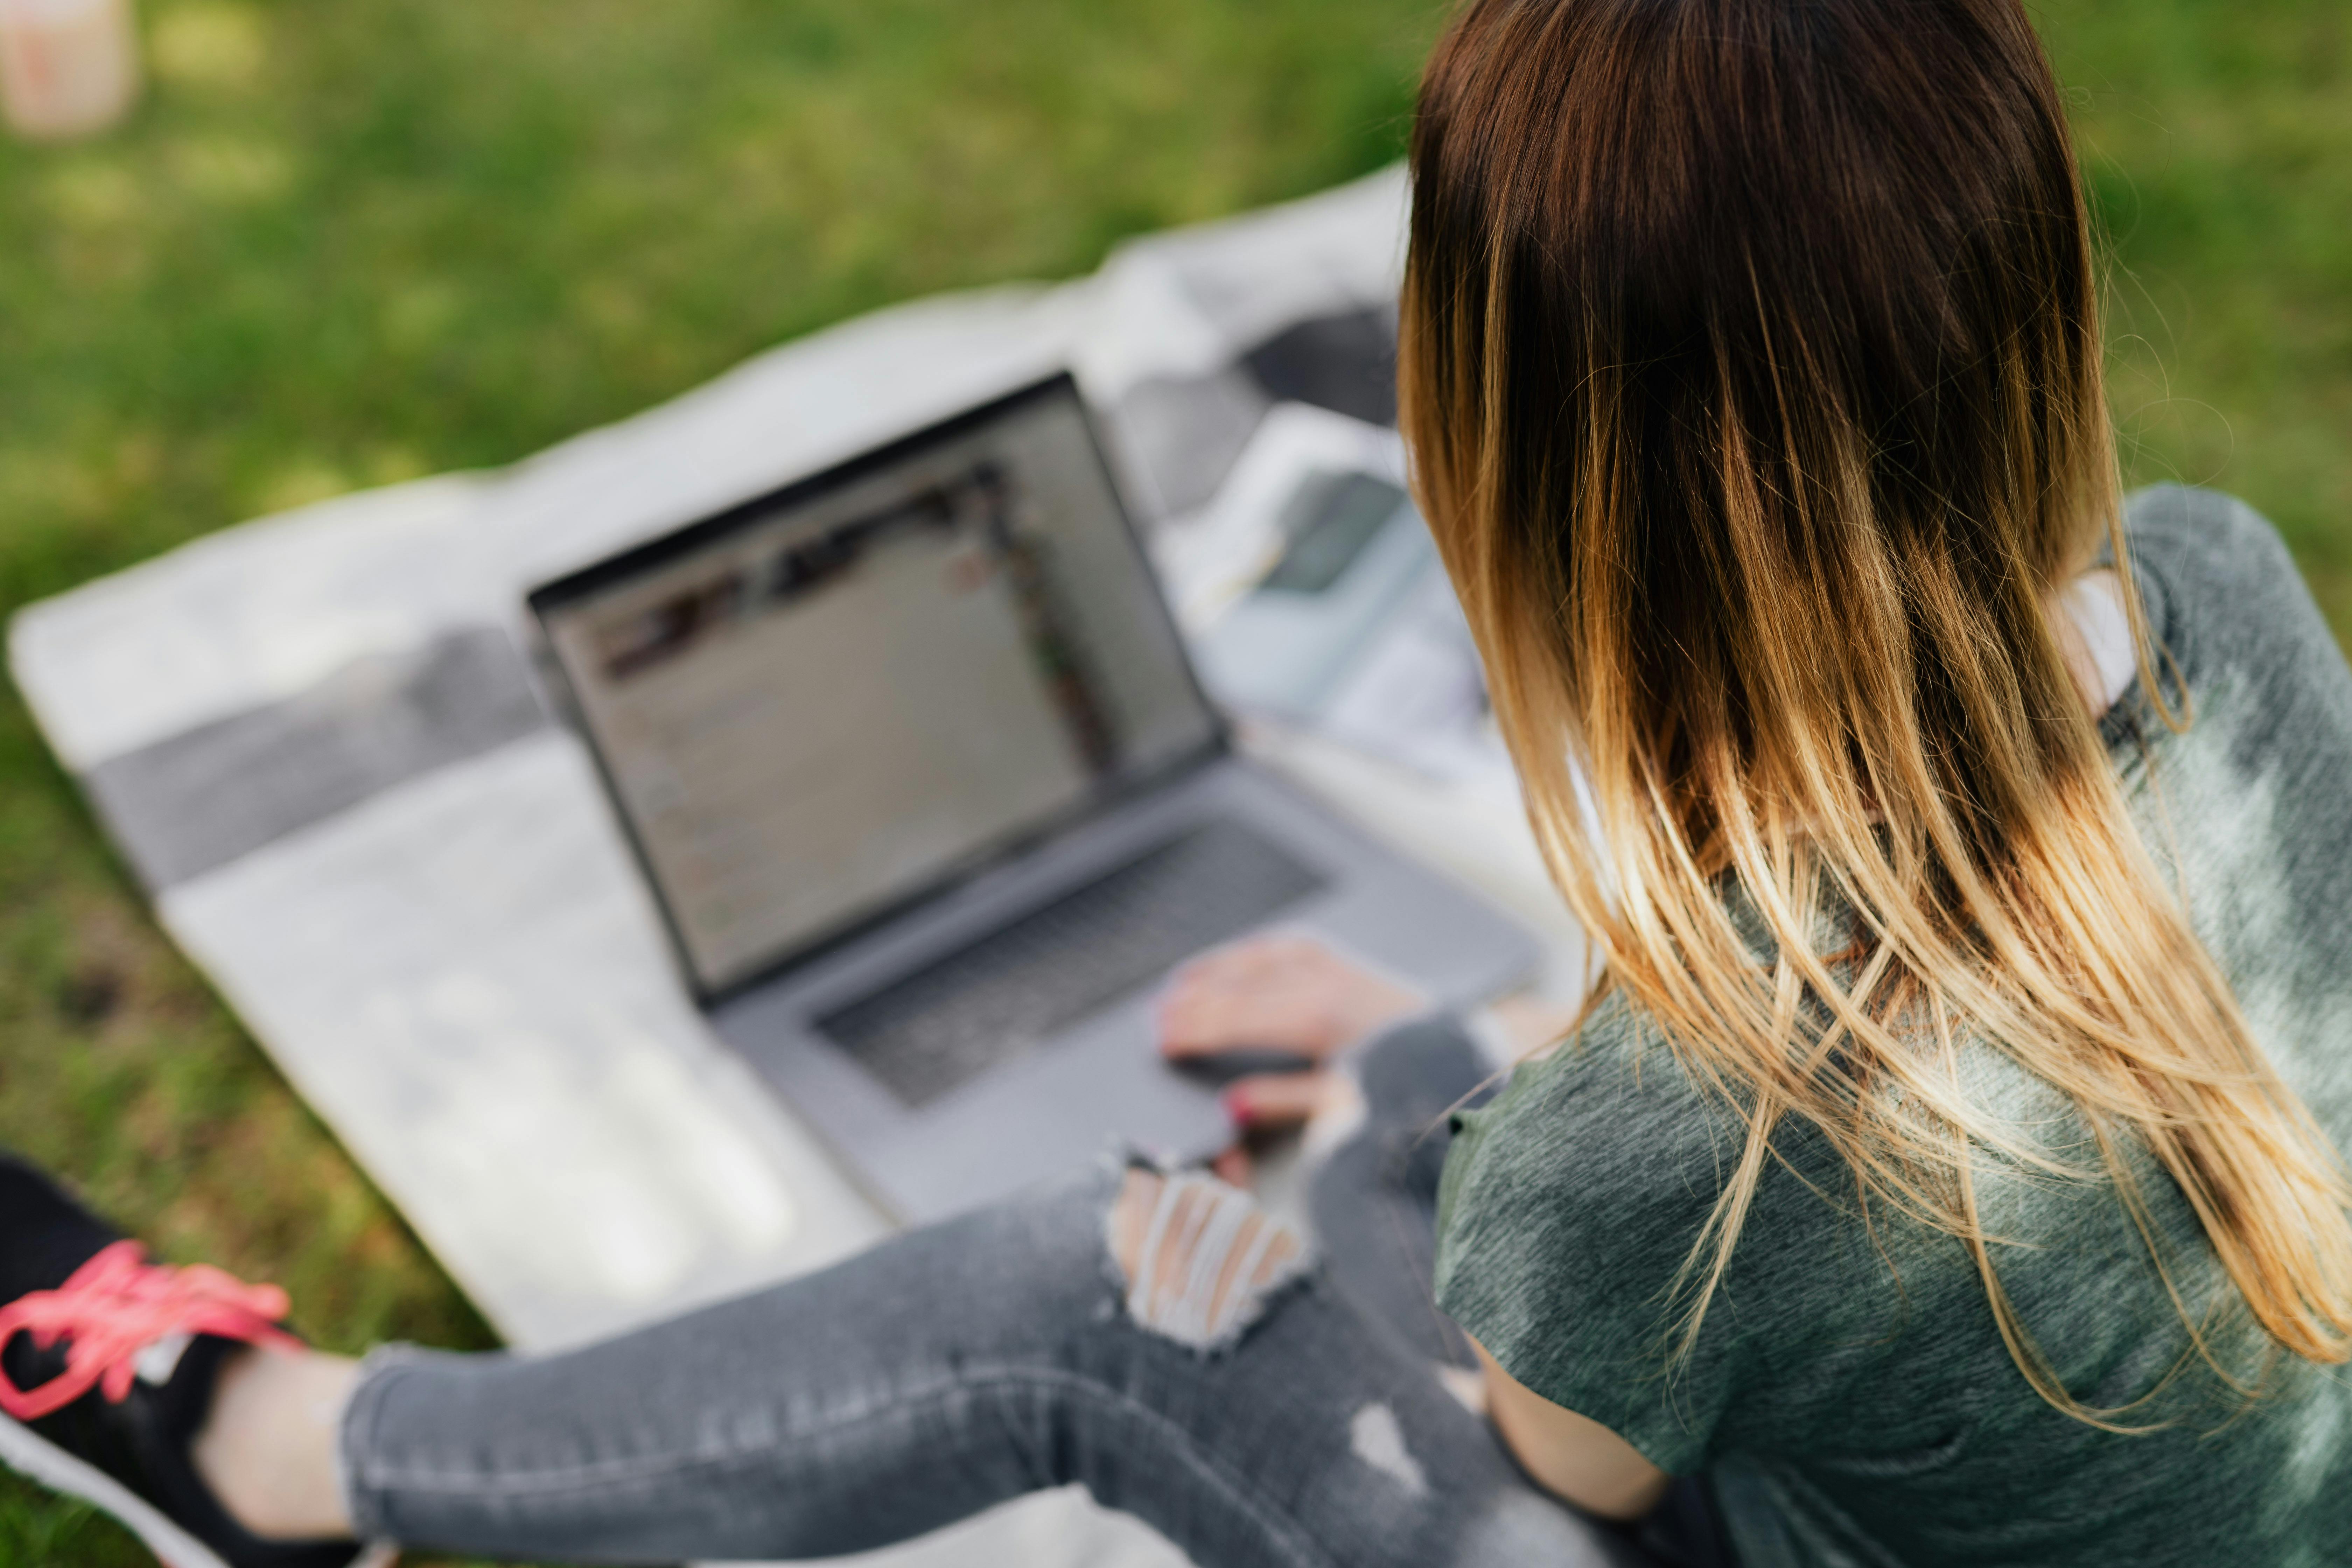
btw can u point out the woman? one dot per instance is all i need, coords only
(1947, 1170)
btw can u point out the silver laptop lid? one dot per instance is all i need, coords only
(826, 703)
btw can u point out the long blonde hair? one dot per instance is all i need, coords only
(1750, 364)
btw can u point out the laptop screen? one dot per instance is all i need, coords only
(826, 701)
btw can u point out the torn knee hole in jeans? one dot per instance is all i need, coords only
(1199, 1258)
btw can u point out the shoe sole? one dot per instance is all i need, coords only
(29, 1453)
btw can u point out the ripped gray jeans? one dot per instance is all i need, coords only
(1255, 1405)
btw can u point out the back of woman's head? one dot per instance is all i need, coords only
(1752, 367)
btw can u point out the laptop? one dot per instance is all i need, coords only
(923, 783)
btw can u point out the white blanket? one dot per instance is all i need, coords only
(314, 737)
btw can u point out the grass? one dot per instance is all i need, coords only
(344, 245)
(2218, 146)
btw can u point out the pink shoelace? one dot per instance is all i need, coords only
(118, 1304)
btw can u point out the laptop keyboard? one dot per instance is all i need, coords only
(1004, 996)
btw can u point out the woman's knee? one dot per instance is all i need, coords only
(1198, 1259)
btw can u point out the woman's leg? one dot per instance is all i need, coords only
(1238, 1403)
(1373, 1196)
(1372, 1199)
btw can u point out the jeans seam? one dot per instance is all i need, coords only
(362, 1411)
(380, 1478)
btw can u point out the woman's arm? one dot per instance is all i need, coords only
(1567, 1454)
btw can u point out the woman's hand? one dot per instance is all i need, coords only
(1277, 994)
(1291, 995)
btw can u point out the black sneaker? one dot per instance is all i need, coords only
(104, 1383)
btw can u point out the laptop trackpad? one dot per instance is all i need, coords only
(1004, 995)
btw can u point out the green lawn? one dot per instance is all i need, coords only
(344, 244)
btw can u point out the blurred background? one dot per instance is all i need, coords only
(337, 246)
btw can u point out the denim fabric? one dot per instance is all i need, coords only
(1373, 1198)
(958, 1366)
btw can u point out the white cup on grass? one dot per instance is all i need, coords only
(67, 68)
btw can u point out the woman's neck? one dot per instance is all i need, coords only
(2095, 635)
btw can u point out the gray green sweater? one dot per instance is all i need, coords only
(1850, 1397)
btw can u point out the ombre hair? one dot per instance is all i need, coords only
(1750, 366)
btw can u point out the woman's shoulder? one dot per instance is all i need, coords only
(2230, 535)
(1584, 1185)
(1579, 1133)
(1573, 1209)
(2252, 817)
(1610, 1149)
(1573, 1236)
(1612, 1093)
